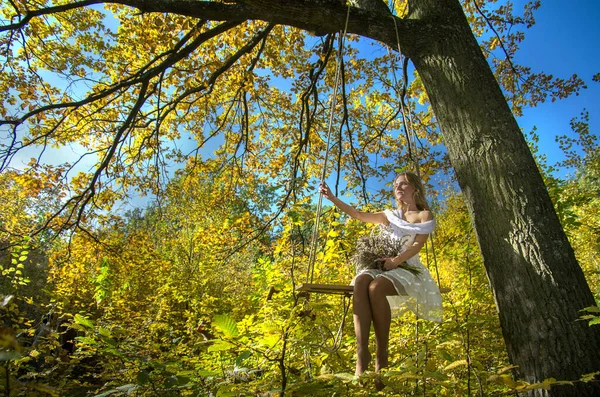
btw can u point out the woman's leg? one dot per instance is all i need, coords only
(379, 290)
(362, 321)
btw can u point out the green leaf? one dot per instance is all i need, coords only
(591, 309)
(506, 369)
(129, 388)
(226, 325)
(595, 321)
(445, 355)
(170, 382)
(435, 375)
(269, 340)
(590, 377)
(86, 340)
(240, 359)
(104, 332)
(182, 380)
(142, 377)
(83, 321)
(294, 216)
(345, 376)
(220, 346)
(9, 355)
(46, 389)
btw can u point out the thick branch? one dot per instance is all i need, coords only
(319, 16)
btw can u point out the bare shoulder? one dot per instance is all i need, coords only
(425, 216)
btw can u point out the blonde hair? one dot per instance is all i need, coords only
(419, 194)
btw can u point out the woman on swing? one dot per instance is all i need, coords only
(380, 295)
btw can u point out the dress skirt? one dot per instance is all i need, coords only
(421, 294)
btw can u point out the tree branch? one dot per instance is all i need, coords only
(172, 58)
(321, 17)
(29, 15)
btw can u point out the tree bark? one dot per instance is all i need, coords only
(537, 283)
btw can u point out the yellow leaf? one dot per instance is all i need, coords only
(455, 364)
(506, 369)
(508, 381)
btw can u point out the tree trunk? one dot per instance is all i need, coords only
(538, 285)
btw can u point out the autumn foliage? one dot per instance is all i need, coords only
(153, 242)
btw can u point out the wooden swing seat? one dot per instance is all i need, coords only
(339, 289)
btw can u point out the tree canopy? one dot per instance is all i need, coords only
(139, 86)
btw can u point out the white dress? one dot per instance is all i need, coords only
(422, 293)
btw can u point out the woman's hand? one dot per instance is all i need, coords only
(325, 191)
(388, 263)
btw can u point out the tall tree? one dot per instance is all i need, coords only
(537, 282)
(157, 74)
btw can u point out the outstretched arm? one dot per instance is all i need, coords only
(368, 217)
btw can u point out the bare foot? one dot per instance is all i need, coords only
(363, 358)
(381, 362)
(379, 385)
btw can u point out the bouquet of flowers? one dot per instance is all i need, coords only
(369, 250)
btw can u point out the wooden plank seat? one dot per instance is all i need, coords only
(340, 289)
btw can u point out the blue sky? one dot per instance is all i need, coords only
(564, 40)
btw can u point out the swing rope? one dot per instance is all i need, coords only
(337, 340)
(407, 122)
(315, 233)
